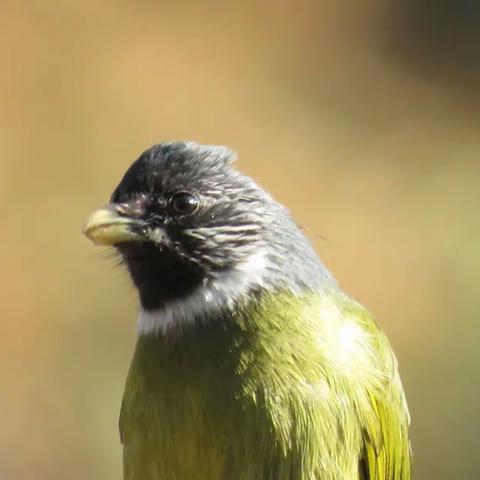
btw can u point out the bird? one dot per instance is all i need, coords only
(251, 363)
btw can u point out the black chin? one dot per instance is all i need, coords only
(159, 274)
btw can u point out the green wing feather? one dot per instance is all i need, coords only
(386, 453)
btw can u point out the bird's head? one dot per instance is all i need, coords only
(197, 235)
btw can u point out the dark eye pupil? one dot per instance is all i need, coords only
(184, 203)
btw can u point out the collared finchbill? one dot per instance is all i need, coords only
(106, 226)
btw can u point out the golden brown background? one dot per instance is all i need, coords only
(363, 117)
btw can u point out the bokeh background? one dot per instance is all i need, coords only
(362, 117)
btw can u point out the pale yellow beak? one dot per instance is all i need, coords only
(106, 226)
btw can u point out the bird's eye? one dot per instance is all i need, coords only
(183, 203)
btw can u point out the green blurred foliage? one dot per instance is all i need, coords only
(340, 109)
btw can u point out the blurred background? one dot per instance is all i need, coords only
(362, 117)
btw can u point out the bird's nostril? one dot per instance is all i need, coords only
(134, 208)
(122, 208)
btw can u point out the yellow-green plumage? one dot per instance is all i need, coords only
(286, 388)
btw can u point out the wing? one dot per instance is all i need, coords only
(386, 447)
(386, 454)
(360, 417)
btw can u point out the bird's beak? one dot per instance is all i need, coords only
(107, 226)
